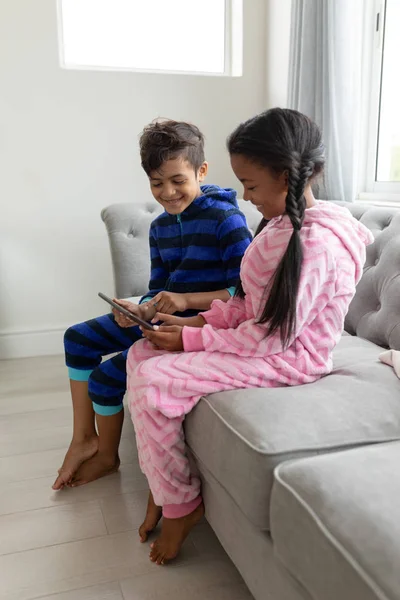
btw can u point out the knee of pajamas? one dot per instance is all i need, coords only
(85, 345)
(107, 385)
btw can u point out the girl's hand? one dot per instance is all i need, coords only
(166, 337)
(121, 319)
(169, 303)
(197, 321)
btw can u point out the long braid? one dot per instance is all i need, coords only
(295, 203)
(287, 276)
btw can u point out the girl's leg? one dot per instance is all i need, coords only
(162, 389)
(85, 345)
(153, 516)
(162, 456)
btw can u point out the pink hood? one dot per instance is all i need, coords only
(337, 219)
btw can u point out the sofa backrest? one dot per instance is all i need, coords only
(374, 313)
(128, 234)
(128, 226)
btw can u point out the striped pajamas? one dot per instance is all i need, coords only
(199, 250)
(232, 351)
(85, 345)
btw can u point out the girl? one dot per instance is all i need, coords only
(297, 279)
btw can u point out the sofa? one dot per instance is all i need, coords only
(302, 485)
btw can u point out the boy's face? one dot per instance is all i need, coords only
(175, 185)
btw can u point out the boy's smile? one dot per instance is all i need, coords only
(176, 184)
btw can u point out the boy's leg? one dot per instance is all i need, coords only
(85, 345)
(107, 386)
(106, 459)
(84, 442)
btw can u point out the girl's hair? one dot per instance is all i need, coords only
(284, 141)
(165, 140)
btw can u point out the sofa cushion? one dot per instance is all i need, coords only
(241, 436)
(339, 534)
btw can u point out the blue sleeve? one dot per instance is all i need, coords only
(159, 274)
(234, 238)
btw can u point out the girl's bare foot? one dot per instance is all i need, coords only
(94, 468)
(153, 515)
(173, 534)
(78, 453)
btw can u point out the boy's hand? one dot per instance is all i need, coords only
(181, 321)
(166, 337)
(169, 303)
(121, 319)
(148, 311)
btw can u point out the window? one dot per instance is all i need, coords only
(201, 37)
(383, 145)
(388, 155)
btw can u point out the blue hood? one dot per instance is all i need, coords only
(213, 193)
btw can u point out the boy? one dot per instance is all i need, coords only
(196, 248)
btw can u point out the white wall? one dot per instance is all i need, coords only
(68, 147)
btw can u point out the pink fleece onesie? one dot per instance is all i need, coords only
(232, 350)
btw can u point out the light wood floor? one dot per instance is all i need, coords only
(82, 544)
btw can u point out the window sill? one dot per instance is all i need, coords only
(382, 199)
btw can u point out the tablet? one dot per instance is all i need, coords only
(127, 313)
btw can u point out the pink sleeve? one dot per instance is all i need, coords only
(223, 315)
(249, 338)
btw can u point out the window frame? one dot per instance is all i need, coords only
(233, 54)
(379, 192)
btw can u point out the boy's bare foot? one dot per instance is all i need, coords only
(78, 452)
(173, 534)
(153, 515)
(94, 468)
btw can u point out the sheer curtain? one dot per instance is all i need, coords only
(325, 83)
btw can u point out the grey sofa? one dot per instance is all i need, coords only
(302, 484)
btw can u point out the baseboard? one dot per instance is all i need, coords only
(23, 344)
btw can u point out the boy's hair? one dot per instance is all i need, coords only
(166, 139)
(283, 140)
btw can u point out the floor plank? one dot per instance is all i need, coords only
(42, 567)
(33, 465)
(124, 512)
(50, 526)
(37, 493)
(183, 583)
(107, 591)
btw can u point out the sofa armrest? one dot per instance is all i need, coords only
(128, 227)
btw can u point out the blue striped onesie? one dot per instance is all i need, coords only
(199, 250)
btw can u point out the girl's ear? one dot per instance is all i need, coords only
(202, 173)
(286, 175)
(284, 180)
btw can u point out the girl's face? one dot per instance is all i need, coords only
(262, 187)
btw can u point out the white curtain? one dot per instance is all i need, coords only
(325, 83)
